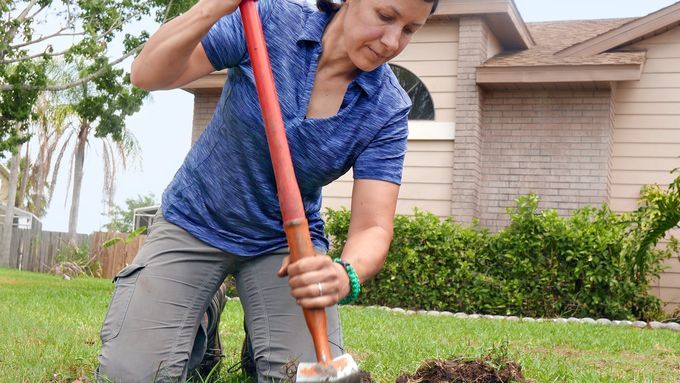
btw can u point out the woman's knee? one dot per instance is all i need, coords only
(130, 353)
(138, 370)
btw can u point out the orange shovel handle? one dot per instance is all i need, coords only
(292, 210)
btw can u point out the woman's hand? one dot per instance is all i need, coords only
(368, 240)
(315, 282)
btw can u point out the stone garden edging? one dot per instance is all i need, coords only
(602, 321)
(606, 322)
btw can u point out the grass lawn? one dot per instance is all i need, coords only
(49, 332)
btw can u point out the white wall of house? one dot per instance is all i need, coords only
(427, 179)
(4, 184)
(647, 136)
(494, 46)
(433, 56)
(4, 190)
(426, 183)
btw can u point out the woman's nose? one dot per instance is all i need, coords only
(390, 39)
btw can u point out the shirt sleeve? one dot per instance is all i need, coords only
(225, 43)
(383, 158)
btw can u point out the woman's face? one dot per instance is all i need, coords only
(378, 30)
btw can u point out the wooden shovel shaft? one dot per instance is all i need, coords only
(293, 212)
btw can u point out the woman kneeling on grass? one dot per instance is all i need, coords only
(342, 107)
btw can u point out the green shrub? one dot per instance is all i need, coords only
(428, 257)
(593, 263)
(573, 266)
(75, 260)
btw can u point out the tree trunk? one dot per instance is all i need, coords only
(21, 202)
(39, 190)
(77, 179)
(6, 241)
(38, 197)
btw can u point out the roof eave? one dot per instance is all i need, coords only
(625, 33)
(502, 17)
(213, 81)
(558, 74)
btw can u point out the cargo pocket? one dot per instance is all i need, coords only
(125, 282)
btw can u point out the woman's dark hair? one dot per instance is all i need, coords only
(329, 6)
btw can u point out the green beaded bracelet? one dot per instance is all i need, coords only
(354, 285)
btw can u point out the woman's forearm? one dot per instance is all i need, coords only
(366, 250)
(167, 53)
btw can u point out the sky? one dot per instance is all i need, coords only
(163, 126)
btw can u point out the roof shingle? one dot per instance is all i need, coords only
(554, 36)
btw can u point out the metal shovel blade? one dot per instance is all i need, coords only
(342, 369)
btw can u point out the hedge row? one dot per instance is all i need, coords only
(593, 263)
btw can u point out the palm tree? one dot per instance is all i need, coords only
(65, 123)
(51, 132)
(114, 152)
(101, 107)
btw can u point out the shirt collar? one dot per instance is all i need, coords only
(370, 81)
(314, 26)
(312, 31)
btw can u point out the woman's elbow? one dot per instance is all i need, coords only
(138, 78)
(388, 231)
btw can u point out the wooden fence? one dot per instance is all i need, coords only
(36, 250)
(115, 257)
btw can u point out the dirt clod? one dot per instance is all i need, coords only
(460, 371)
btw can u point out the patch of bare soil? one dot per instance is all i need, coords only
(10, 281)
(461, 371)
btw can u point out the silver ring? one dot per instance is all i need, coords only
(318, 285)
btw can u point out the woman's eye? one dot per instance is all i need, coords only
(409, 31)
(384, 17)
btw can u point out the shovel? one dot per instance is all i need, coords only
(326, 369)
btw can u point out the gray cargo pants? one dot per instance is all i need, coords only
(153, 330)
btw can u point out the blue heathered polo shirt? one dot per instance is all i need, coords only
(224, 193)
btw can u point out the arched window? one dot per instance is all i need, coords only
(423, 107)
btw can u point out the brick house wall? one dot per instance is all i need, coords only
(204, 107)
(553, 143)
(472, 51)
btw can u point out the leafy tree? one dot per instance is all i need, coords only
(26, 51)
(122, 218)
(168, 9)
(659, 212)
(55, 131)
(16, 103)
